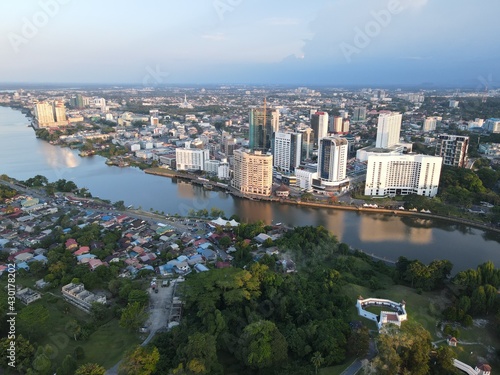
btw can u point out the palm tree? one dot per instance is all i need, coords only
(317, 360)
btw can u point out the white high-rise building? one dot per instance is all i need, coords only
(253, 173)
(388, 130)
(191, 159)
(332, 161)
(212, 166)
(223, 172)
(391, 175)
(430, 124)
(44, 113)
(287, 151)
(100, 103)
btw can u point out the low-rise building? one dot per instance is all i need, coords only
(27, 295)
(78, 296)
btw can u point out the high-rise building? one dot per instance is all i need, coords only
(344, 114)
(191, 159)
(100, 103)
(345, 126)
(229, 145)
(359, 114)
(492, 125)
(388, 130)
(287, 151)
(319, 125)
(430, 124)
(59, 111)
(79, 101)
(454, 103)
(336, 124)
(154, 117)
(402, 175)
(332, 160)
(223, 172)
(307, 144)
(253, 172)
(453, 149)
(44, 114)
(263, 124)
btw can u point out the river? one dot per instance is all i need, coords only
(22, 155)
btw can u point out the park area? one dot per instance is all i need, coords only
(53, 321)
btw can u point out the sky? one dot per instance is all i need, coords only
(298, 42)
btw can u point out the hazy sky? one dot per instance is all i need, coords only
(250, 41)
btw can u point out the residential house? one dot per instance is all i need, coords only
(452, 341)
(71, 244)
(27, 295)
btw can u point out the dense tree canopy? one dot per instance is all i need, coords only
(404, 351)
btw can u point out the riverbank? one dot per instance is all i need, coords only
(195, 179)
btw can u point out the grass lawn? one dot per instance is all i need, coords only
(105, 346)
(478, 343)
(335, 370)
(424, 308)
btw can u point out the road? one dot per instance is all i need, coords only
(354, 368)
(159, 311)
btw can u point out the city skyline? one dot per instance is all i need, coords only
(394, 42)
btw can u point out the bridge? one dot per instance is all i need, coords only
(464, 367)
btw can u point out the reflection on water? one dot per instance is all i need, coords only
(185, 189)
(381, 228)
(251, 211)
(60, 158)
(22, 156)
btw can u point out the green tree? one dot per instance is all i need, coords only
(68, 366)
(74, 328)
(200, 354)
(140, 296)
(42, 363)
(32, 320)
(262, 345)
(132, 316)
(225, 242)
(140, 361)
(404, 351)
(359, 342)
(441, 362)
(98, 312)
(317, 360)
(24, 353)
(90, 369)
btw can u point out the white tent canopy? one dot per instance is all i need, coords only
(220, 221)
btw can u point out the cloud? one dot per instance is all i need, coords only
(216, 37)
